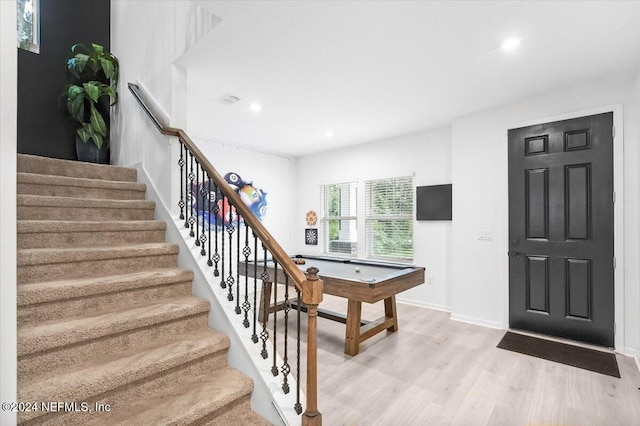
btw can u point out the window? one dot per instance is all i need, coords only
(28, 22)
(389, 218)
(339, 218)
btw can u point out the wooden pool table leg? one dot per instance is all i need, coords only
(356, 334)
(352, 336)
(391, 312)
(265, 302)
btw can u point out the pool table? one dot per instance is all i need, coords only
(356, 280)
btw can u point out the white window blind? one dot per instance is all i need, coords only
(340, 234)
(389, 218)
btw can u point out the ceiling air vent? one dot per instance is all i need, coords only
(228, 99)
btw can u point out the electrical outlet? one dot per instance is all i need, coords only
(429, 280)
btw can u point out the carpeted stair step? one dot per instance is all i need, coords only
(121, 378)
(62, 186)
(69, 168)
(221, 397)
(38, 207)
(71, 263)
(104, 313)
(239, 413)
(43, 348)
(53, 300)
(48, 234)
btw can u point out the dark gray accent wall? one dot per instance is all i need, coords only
(43, 128)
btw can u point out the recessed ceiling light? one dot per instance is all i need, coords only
(510, 44)
(255, 107)
(329, 134)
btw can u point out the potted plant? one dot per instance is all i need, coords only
(93, 75)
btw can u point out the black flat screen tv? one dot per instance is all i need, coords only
(433, 202)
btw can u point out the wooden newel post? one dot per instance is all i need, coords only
(312, 296)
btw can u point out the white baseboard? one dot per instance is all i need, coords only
(635, 353)
(455, 317)
(428, 305)
(477, 321)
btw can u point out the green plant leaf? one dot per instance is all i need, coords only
(75, 102)
(79, 47)
(97, 122)
(116, 69)
(84, 133)
(77, 64)
(98, 139)
(92, 89)
(108, 68)
(97, 49)
(109, 91)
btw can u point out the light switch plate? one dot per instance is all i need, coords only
(485, 235)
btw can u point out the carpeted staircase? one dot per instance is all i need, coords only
(106, 318)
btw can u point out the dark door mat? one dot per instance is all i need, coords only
(576, 356)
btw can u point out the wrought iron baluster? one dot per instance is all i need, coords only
(203, 193)
(286, 369)
(209, 262)
(274, 368)
(197, 197)
(186, 190)
(223, 283)
(238, 310)
(181, 203)
(254, 337)
(216, 210)
(264, 334)
(230, 230)
(191, 197)
(298, 406)
(246, 251)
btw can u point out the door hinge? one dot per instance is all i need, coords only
(614, 262)
(613, 131)
(614, 327)
(614, 197)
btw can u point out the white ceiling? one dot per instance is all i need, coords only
(373, 70)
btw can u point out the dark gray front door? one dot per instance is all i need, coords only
(561, 229)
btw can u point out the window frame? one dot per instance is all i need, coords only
(326, 218)
(34, 44)
(371, 216)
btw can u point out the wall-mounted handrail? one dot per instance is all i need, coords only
(308, 286)
(278, 253)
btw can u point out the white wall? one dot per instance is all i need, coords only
(471, 275)
(8, 150)
(634, 188)
(271, 173)
(148, 38)
(480, 202)
(426, 154)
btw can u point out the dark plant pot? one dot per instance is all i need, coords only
(89, 152)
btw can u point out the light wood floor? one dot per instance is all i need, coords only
(436, 371)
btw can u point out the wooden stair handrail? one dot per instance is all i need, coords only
(310, 286)
(267, 239)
